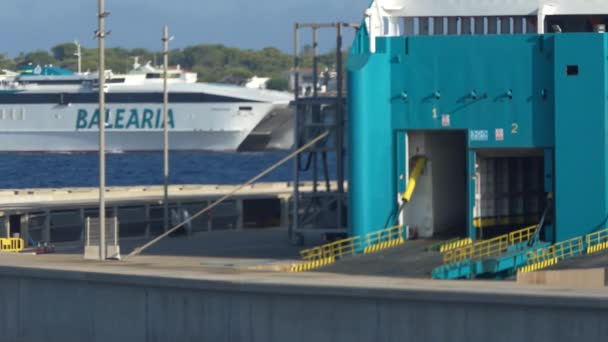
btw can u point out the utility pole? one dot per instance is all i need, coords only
(78, 54)
(101, 35)
(166, 40)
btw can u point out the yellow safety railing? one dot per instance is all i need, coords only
(597, 241)
(341, 248)
(491, 247)
(522, 235)
(384, 239)
(326, 254)
(337, 249)
(549, 256)
(311, 265)
(374, 241)
(11, 245)
(451, 245)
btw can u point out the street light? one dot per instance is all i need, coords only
(166, 39)
(78, 55)
(101, 35)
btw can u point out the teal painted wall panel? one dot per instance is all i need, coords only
(580, 130)
(372, 186)
(483, 83)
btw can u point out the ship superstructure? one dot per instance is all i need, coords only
(53, 110)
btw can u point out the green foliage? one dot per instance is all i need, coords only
(6, 63)
(213, 63)
(277, 83)
(63, 51)
(40, 57)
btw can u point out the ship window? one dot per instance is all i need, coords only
(161, 75)
(246, 108)
(135, 97)
(572, 70)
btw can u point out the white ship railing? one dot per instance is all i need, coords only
(386, 18)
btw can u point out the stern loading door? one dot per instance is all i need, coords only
(509, 192)
(438, 205)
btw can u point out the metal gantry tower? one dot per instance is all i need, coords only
(322, 211)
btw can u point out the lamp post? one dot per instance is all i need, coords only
(78, 55)
(166, 40)
(101, 35)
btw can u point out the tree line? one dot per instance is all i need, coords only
(213, 63)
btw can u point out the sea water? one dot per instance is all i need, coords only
(19, 171)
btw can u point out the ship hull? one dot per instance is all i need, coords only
(130, 127)
(83, 142)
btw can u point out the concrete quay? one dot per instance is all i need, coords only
(157, 298)
(59, 215)
(15, 200)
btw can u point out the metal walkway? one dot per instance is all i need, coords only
(516, 252)
(499, 257)
(551, 255)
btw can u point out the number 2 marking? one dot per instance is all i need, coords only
(515, 129)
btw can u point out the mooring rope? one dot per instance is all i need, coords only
(142, 248)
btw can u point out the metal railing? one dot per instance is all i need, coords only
(11, 245)
(371, 242)
(522, 235)
(549, 256)
(329, 253)
(311, 265)
(491, 247)
(383, 239)
(597, 241)
(455, 244)
(336, 250)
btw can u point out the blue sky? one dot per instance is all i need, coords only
(26, 25)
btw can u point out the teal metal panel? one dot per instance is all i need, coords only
(372, 185)
(493, 86)
(580, 134)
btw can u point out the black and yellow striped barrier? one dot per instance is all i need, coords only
(311, 265)
(597, 248)
(329, 253)
(383, 245)
(597, 241)
(451, 245)
(538, 266)
(11, 245)
(551, 255)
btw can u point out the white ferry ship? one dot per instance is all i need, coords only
(49, 109)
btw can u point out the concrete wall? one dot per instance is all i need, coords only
(593, 278)
(61, 306)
